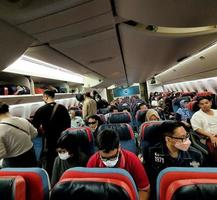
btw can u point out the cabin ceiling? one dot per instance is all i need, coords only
(108, 39)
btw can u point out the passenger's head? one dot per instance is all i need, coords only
(183, 103)
(108, 146)
(93, 122)
(142, 106)
(176, 136)
(67, 146)
(48, 96)
(204, 103)
(87, 95)
(113, 109)
(72, 113)
(152, 115)
(4, 108)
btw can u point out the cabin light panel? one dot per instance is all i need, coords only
(33, 67)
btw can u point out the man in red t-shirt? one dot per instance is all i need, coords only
(111, 155)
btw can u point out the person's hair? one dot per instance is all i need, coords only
(4, 108)
(87, 94)
(107, 140)
(200, 98)
(50, 93)
(168, 128)
(112, 108)
(69, 142)
(95, 93)
(96, 117)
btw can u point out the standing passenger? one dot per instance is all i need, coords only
(89, 106)
(53, 118)
(110, 154)
(16, 147)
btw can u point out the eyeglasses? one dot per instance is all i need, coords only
(91, 122)
(183, 139)
(111, 158)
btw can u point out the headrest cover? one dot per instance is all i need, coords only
(196, 191)
(124, 131)
(12, 188)
(121, 117)
(88, 190)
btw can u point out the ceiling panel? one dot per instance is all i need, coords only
(66, 17)
(100, 52)
(169, 13)
(147, 53)
(76, 30)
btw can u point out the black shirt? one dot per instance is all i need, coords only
(52, 128)
(159, 159)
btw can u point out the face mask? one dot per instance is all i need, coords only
(64, 156)
(183, 146)
(110, 163)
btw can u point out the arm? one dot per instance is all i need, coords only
(209, 135)
(32, 131)
(144, 195)
(84, 110)
(3, 151)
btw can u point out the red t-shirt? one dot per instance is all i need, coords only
(129, 162)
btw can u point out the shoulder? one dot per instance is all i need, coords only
(194, 152)
(93, 160)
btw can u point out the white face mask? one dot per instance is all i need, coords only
(183, 146)
(110, 163)
(64, 156)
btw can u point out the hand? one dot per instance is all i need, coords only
(213, 140)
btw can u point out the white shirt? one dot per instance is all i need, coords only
(204, 121)
(13, 141)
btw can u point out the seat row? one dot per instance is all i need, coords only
(106, 183)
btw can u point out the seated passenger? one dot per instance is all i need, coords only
(204, 122)
(68, 156)
(94, 122)
(152, 115)
(16, 147)
(76, 121)
(110, 154)
(173, 151)
(183, 114)
(113, 109)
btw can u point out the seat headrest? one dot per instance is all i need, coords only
(140, 115)
(104, 181)
(12, 188)
(167, 176)
(37, 181)
(120, 117)
(203, 189)
(150, 131)
(97, 189)
(124, 131)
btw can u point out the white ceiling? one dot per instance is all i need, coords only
(94, 37)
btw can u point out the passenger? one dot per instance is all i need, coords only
(142, 106)
(152, 115)
(183, 114)
(101, 103)
(94, 122)
(173, 151)
(53, 118)
(89, 106)
(204, 122)
(16, 147)
(110, 154)
(76, 121)
(113, 109)
(69, 156)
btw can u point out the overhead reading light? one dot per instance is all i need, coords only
(33, 67)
